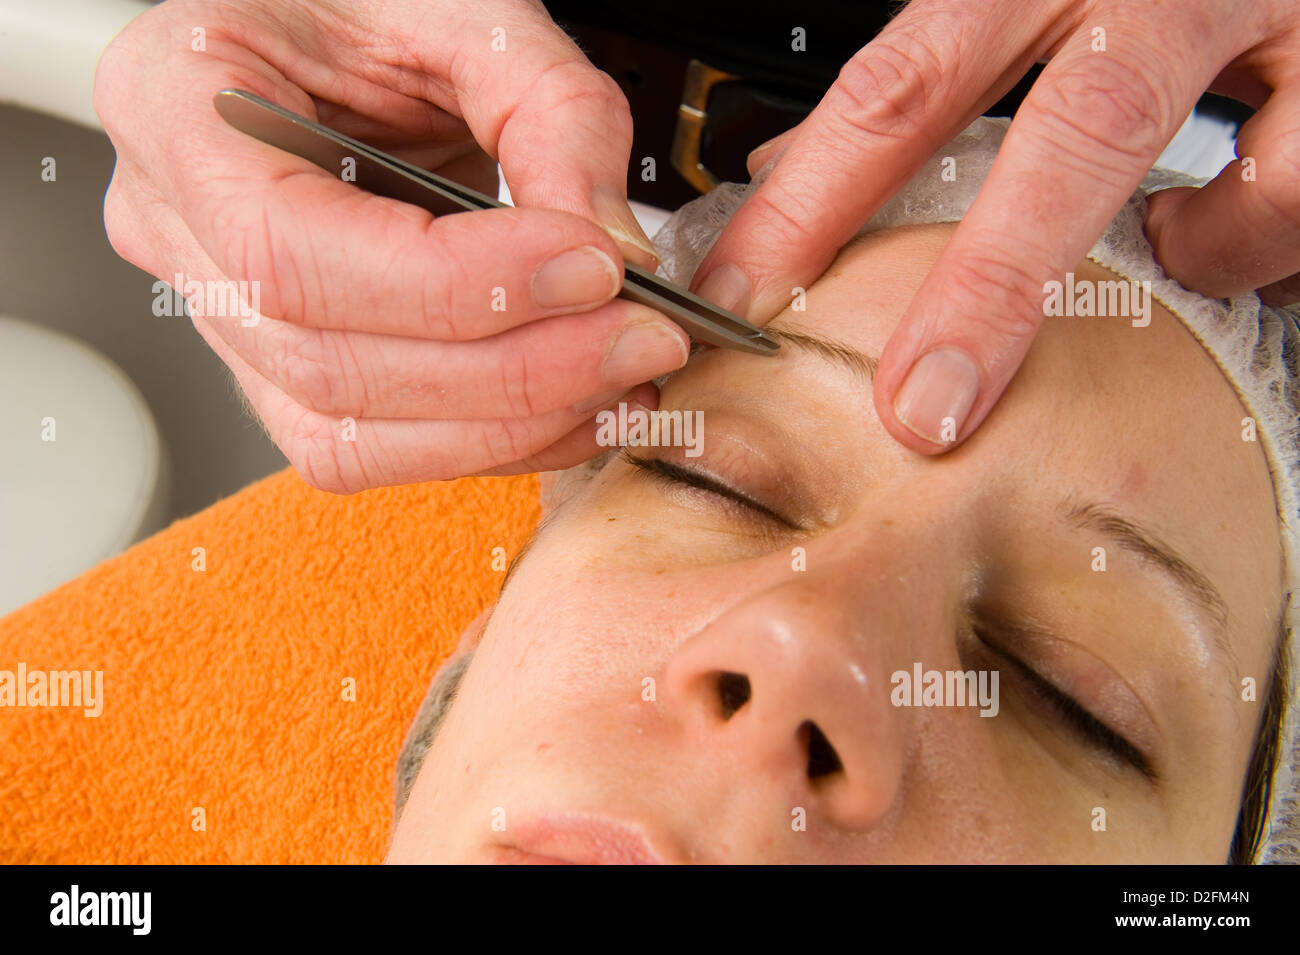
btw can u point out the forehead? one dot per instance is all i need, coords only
(1140, 417)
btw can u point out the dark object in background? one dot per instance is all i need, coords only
(707, 82)
(750, 83)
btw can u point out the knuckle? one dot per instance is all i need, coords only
(1004, 300)
(586, 97)
(110, 76)
(121, 225)
(305, 368)
(238, 254)
(788, 213)
(115, 85)
(505, 442)
(442, 288)
(250, 253)
(1107, 106)
(515, 384)
(312, 444)
(573, 82)
(1280, 186)
(887, 87)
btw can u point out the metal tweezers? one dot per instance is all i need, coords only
(389, 176)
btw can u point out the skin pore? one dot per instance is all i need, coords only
(1120, 688)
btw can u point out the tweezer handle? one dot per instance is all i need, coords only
(385, 175)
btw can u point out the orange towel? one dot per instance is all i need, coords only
(226, 733)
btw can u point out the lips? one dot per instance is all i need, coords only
(576, 839)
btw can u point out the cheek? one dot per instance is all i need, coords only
(577, 627)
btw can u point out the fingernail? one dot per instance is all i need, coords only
(938, 394)
(581, 276)
(727, 287)
(615, 216)
(644, 350)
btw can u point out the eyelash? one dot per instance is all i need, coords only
(1086, 726)
(1076, 716)
(676, 474)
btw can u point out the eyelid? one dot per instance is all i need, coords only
(1082, 720)
(1076, 669)
(681, 475)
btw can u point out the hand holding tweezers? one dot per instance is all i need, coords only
(386, 175)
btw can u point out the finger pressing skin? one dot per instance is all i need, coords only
(1241, 231)
(1079, 145)
(553, 363)
(893, 104)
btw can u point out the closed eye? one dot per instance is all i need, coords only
(677, 474)
(1080, 720)
(1092, 730)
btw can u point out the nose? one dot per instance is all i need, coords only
(791, 683)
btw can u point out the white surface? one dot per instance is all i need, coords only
(49, 49)
(67, 504)
(1201, 147)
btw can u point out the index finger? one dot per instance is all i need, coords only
(902, 96)
(1079, 146)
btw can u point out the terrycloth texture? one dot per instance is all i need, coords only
(224, 689)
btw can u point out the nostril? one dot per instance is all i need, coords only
(822, 758)
(734, 692)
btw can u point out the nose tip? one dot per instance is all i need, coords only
(788, 698)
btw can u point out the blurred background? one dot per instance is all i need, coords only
(147, 424)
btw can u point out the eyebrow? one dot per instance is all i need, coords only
(1140, 542)
(1093, 515)
(836, 352)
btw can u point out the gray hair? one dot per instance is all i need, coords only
(437, 701)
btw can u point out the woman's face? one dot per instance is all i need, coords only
(672, 671)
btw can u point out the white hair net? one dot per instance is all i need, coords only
(1257, 347)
